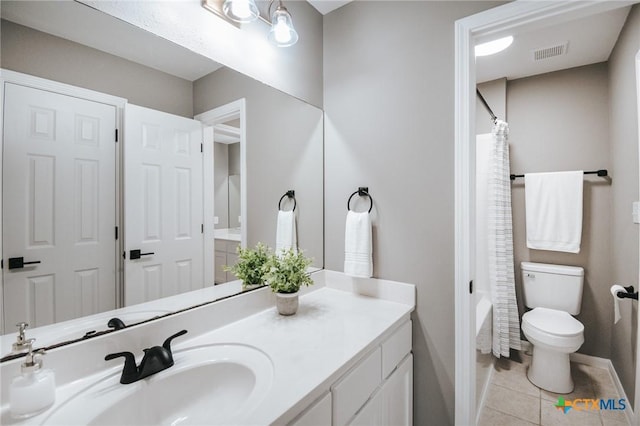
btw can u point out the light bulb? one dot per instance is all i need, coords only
(240, 8)
(281, 31)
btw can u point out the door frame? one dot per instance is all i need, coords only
(490, 24)
(8, 76)
(209, 119)
(636, 403)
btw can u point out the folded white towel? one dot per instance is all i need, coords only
(286, 232)
(554, 210)
(358, 256)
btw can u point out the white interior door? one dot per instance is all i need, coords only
(163, 205)
(59, 191)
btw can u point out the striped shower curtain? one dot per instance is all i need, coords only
(506, 322)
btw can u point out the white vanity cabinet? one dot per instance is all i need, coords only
(392, 403)
(378, 390)
(225, 254)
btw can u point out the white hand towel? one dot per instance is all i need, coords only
(554, 210)
(616, 301)
(286, 232)
(358, 256)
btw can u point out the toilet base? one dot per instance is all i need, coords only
(550, 370)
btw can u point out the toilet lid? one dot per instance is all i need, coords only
(554, 322)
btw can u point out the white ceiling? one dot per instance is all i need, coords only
(77, 22)
(590, 40)
(326, 6)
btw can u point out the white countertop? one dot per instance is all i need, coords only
(313, 348)
(229, 234)
(337, 324)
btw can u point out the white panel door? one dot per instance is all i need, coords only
(59, 199)
(163, 205)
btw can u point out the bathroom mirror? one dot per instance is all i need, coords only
(71, 43)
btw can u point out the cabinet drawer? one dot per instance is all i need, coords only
(395, 348)
(353, 390)
(232, 247)
(220, 245)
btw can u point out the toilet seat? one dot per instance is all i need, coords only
(554, 329)
(553, 322)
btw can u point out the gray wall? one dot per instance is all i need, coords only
(624, 163)
(389, 100)
(36, 53)
(559, 121)
(234, 159)
(284, 151)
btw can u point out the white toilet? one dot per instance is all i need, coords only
(554, 292)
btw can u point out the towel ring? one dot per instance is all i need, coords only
(362, 192)
(290, 194)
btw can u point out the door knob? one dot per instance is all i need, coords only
(18, 262)
(136, 254)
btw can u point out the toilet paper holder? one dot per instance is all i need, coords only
(630, 294)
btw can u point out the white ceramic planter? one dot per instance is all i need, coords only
(287, 303)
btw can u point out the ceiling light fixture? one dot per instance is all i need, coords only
(494, 46)
(241, 10)
(282, 32)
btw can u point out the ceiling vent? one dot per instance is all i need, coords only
(550, 52)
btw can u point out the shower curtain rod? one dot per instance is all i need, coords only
(601, 173)
(486, 105)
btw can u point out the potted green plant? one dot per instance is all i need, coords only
(285, 274)
(250, 265)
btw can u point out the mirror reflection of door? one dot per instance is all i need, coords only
(227, 196)
(163, 205)
(59, 190)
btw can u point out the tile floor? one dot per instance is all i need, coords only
(512, 400)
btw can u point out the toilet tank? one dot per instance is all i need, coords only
(552, 286)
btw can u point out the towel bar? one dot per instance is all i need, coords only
(601, 173)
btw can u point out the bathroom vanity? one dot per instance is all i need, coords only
(344, 358)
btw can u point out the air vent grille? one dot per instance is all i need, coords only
(550, 52)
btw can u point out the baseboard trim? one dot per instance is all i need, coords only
(606, 364)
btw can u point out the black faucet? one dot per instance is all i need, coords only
(116, 324)
(155, 359)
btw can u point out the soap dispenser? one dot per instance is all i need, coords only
(35, 389)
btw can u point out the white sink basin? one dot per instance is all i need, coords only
(213, 385)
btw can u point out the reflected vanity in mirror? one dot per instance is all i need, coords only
(143, 217)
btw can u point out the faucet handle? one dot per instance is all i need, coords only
(116, 323)
(21, 327)
(130, 370)
(167, 343)
(22, 344)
